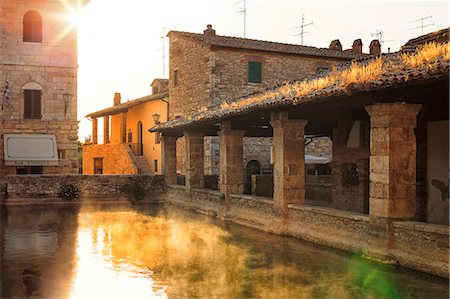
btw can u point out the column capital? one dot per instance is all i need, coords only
(393, 109)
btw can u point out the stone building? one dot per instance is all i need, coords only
(128, 147)
(38, 80)
(208, 70)
(389, 124)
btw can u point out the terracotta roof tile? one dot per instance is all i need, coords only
(123, 107)
(260, 45)
(394, 72)
(440, 36)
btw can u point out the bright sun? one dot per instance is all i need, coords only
(75, 17)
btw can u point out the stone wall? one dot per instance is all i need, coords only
(320, 146)
(192, 61)
(334, 228)
(318, 189)
(229, 74)
(212, 155)
(181, 155)
(209, 76)
(98, 187)
(350, 170)
(258, 148)
(117, 158)
(66, 139)
(49, 66)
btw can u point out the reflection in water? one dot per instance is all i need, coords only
(101, 251)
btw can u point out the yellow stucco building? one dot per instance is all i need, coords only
(128, 147)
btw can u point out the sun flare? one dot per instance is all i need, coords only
(74, 17)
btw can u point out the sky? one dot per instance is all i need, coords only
(120, 44)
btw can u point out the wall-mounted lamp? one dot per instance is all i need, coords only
(156, 117)
(66, 97)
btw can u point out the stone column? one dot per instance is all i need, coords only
(169, 148)
(392, 191)
(392, 179)
(231, 160)
(106, 129)
(194, 166)
(289, 160)
(94, 130)
(123, 128)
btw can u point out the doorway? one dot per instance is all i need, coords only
(253, 167)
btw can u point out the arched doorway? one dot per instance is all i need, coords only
(140, 145)
(253, 167)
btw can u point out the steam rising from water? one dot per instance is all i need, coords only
(175, 255)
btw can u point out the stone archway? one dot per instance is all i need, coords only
(253, 167)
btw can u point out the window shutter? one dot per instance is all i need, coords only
(254, 72)
(27, 104)
(36, 104)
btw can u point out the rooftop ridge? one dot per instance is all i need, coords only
(209, 39)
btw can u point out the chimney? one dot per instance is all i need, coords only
(117, 98)
(357, 46)
(375, 47)
(335, 45)
(209, 31)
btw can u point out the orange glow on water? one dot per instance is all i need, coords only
(100, 275)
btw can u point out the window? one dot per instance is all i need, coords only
(61, 154)
(98, 165)
(32, 27)
(32, 104)
(175, 78)
(158, 138)
(350, 176)
(155, 164)
(130, 137)
(254, 72)
(155, 89)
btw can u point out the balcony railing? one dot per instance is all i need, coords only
(136, 148)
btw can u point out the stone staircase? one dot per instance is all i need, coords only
(142, 165)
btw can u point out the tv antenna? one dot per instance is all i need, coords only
(243, 12)
(302, 29)
(163, 37)
(163, 49)
(379, 35)
(422, 25)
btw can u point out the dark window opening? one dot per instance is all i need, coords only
(175, 78)
(322, 70)
(350, 176)
(156, 165)
(318, 169)
(61, 154)
(155, 89)
(32, 104)
(253, 167)
(32, 27)
(130, 137)
(254, 72)
(98, 165)
(29, 170)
